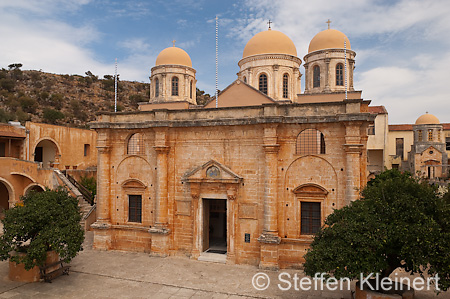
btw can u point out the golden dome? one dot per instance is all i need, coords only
(427, 119)
(270, 42)
(173, 55)
(328, 39)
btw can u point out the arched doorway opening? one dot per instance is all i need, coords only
(4, 199)
(46, 152)
(33, 188)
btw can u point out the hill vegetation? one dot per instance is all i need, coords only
(71, 100)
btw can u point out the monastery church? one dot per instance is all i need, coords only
(247, 182)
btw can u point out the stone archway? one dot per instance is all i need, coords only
(47, 152)
(6, 197)
(33, 187)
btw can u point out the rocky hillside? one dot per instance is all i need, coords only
(71, 100)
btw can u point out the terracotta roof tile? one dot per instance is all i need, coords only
(377, 110)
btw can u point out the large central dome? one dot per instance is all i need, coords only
(270, 42)
(175, 56)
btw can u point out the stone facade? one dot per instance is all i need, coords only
(242, 165)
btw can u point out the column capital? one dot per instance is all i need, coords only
(103, 149)
(161, 230)
(162, 149)
(271, 148)
(276, 67)
(353, 148)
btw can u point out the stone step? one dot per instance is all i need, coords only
(213, 257)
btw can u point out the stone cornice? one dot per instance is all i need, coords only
(349, 52)
(234, 121)
(270, 56)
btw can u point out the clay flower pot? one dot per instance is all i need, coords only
(17, 272)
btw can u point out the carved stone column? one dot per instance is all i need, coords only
(186, 87)
(353, 148)
(327, 75)
(196, 238)
(163, 92)
(231, 222)
(275, 88)
(307, 77)
(351, 63)
(269, 239)
(102, 234)
(160, 232)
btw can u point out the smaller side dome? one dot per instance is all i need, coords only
(427, 119)
(329, 39)
(175, 56)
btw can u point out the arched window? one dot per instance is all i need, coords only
(175, 86)
(285, 86)
(310, 142)
(263, 83)
(245, 79)
(339, 74)
(316, 76)
(190, 90)
(156, 87)
(135, 144)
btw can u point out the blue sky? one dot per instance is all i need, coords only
(402, 46)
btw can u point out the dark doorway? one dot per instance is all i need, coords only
(38, 154)
(215, 228)
(4, 199)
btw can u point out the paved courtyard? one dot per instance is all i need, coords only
(115, 274)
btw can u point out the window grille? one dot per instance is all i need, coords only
(316, 76)
(135, 144)
(419, 135)
(285, 86)
(135, 208)
(263, 83)
(430, 135)
(310, 217)
(310, 142)
(175, 86)
(339, 75)
(156, 87)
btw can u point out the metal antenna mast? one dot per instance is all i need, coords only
(217, 62)
(345, 67)
(115, 88)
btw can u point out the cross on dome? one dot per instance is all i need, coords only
(269, 24)
(173, 42)
(328, 22)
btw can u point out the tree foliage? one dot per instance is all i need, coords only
(399, 222)
(51, 116)
(48, 220)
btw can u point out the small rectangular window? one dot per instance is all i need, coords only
(395, 166)
(371, 130)
(87, 148)
(310, 218)
(135, 208)
(447, 143)
(2, 149)
(430, 135)
(399, 147)
(419, 135)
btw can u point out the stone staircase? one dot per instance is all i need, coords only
(85, 207)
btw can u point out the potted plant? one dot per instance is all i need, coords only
(44, 226)
(399, 222)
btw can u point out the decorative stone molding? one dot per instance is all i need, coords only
(353, 148)
(162, 149)
(159, 230)
(271, 148)
(101, 225)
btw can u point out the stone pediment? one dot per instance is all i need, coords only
(212, 172)
(431, 148)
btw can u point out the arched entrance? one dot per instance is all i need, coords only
(4, 199)
(46, 151)
(34, 188)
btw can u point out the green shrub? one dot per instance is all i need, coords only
(48, 220)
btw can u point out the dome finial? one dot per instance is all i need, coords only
(173, 42)
(328, 22)
(269, 24)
